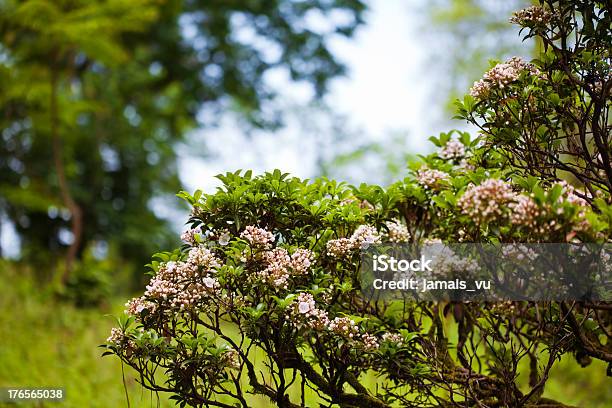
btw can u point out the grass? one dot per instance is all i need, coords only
(47, 343)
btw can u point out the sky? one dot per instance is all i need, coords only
(387, 87)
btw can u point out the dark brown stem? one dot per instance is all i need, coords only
(590, 347)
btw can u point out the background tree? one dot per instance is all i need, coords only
(110, 88)
(470, 34)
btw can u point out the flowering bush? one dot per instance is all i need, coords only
(550, 117)
(264, 296)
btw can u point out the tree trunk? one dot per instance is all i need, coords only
(76, 215)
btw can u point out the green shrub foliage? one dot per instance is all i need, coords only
(263, 297)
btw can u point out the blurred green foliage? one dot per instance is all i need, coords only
(53, 344)
(95, 96)
(470, 33)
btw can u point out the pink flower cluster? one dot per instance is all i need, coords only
(453, 149)
(369, 342)
(305, 312)
(394, 338)
(190, 236)
(199, 258)
(116, 337)
(230, 358)
(301, 260)
(431, 178)
(570, 196)
(525, 211)
(500, 76)
(569, 193)
(257, 237)
(344, 326)
(487, 200)
(280, 266)
(364, 236)
(181, 295)
(534, 15)
(137, 305)
(398, 232)
(339, 248)
(465, 165)
(184, 284)
(446, 262)
(519, 252)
